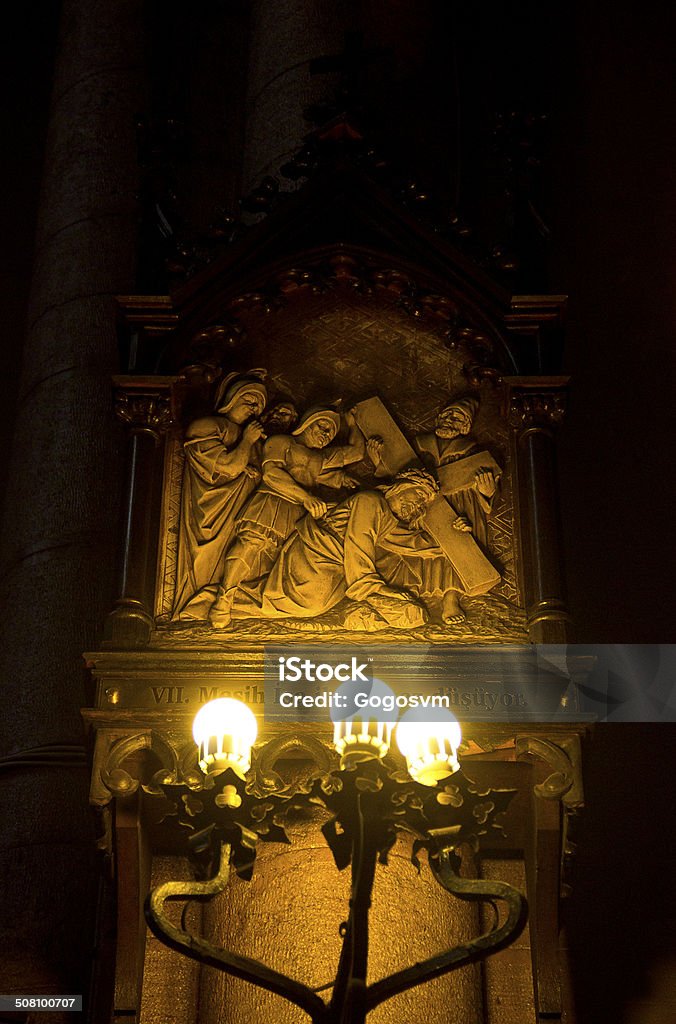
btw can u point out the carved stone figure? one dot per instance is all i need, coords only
(295, 467)
(371, 548)
(222, 469)
(476, 574)
(280, 417)
(468, 476)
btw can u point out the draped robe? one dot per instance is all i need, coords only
(475, 507)
(211, 501)
(357, 550)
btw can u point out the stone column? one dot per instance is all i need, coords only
(285, 37)
(61, 506)
(145, 405)
(535, 406)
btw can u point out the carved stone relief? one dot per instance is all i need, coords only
(359, 483)
(222, 470)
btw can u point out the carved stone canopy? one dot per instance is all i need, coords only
(337, 323)
(343, 226)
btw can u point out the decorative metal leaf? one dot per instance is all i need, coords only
(368, 784)
(339, 843)
(418, 845)
(387, 846)
(240, 813)
(228, 797)
(259, 812)
(264, 783)
(450, 796)
(192, 804)
(329, 783)
(483, 811)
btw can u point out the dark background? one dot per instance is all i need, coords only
(603, 72)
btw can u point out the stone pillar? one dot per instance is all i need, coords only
(170, 981)
(535, 406)
(145, 406)
(61, 506)
(285, 37)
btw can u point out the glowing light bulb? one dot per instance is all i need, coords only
(225, 731)
(429, 739)
(363, 721)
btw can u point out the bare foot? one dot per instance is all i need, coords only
(451, 612)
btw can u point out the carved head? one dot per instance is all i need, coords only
(247, 405)
(456, 419)
(280, 417)
(318, 427)
(410, 494)
(242, 396)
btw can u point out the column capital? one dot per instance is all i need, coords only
(535, 403)
(146, 405)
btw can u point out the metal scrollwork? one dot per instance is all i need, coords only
(205, 953)
(370, 802)
(564, 781)
(112, 779)
(263, 779)
(485, 945)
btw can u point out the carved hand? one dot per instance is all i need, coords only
(462, 524)
(316, 508)
(252, 472)
(485, 482)
(253, 432)
(374, 447)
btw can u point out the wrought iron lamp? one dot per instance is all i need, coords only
(242, 800)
